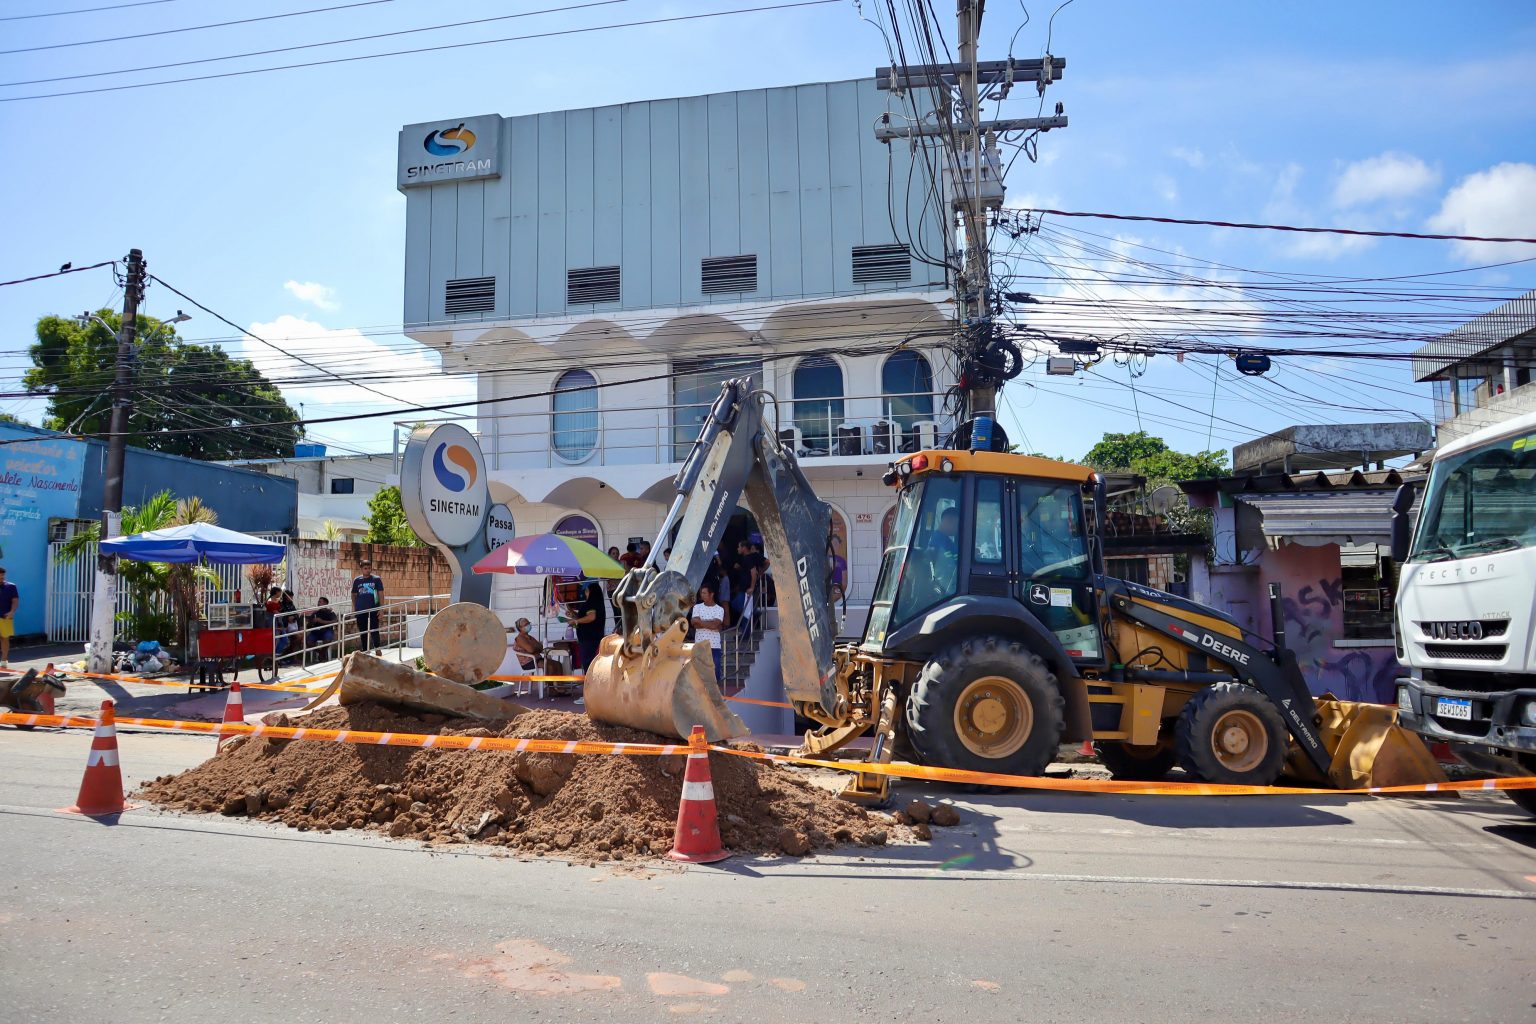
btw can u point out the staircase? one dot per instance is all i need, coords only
(740, 655)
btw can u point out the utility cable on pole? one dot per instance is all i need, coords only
(104, 607)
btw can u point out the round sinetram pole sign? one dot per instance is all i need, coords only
(447, 501)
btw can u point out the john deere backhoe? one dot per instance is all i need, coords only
(993, 635)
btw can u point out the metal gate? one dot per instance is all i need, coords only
(72, 590)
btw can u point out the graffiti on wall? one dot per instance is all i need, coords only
(1313, 622)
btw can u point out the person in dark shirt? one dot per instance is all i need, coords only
(322, 627)
(590, 618)
(10, 600)
(367, 593)
(745, 570)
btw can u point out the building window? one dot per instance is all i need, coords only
(342, 485)
(695, 386)
(1132, 570)
(818, 390)
(591, 284)
(573, 432)
(906, 380)
(1370, 587)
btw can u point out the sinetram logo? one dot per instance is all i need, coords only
(462, 474)
(453, 142)
(449, 142)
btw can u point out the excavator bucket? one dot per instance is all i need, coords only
(1369, 748)
(666, 690)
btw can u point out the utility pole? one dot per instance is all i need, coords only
(104, 606)
(988, 356)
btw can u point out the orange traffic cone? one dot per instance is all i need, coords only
(46, 697)
(234, 711)
(101, 790)
(698, 834)
(1087, 749)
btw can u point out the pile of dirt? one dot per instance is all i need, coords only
(582, 807)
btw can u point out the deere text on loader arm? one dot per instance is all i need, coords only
(993, 635)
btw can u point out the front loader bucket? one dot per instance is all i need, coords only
(667, 690)
(1369, 748)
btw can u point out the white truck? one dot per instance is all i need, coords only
(1466, 601)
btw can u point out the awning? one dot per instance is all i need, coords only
(1315, 518)
(1362, 556)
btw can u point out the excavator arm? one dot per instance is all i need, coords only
(647, 676)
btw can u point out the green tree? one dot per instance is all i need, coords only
(10, 417)
(386, 520)
(1149, 456)
(177, 385)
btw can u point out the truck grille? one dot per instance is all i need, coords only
(1465, 629)
(1467, 652)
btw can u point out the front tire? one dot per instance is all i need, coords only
(1233, 735)
(986, 704)
(1525, 799)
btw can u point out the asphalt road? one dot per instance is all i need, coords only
(1041, 908)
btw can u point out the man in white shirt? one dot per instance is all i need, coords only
(708, 619)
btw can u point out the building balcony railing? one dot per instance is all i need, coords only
(853, 426)
(1491, 409)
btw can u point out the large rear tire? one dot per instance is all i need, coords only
(1136, 764)
(986, 704)
(1525, 799)
(1232, 734)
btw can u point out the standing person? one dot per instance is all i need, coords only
(10, 600)
(743, 578)
(708, 618)
(367, 593)
(642, 553)
(590, 618)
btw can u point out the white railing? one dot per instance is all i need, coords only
(853, 425)
(396, 625)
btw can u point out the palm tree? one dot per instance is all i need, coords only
(164, 596)
(330, 532)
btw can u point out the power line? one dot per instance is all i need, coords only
(83, 10)
(1281, 227)
(427, 49)
(67, 269)
(305, 46)
(195, 28)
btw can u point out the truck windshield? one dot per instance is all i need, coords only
(1480, 501)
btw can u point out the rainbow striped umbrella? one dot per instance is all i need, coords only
(549, 554)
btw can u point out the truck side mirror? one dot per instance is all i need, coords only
(1402, 521)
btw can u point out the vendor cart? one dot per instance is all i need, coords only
(232, 639)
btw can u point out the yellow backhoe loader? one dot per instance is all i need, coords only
(993, 634)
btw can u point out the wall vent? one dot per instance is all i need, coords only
(728, 274)
(591, 284)
(470, 295)
(881, 263)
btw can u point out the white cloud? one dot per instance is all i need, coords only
(406, 373)
(1388, 176)
(318, 295)
(1189, 155)
(1167, 188)
(1327, 247)
(1499, 202)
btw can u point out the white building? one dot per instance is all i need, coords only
(333, 489)
(603, 271)
(1482, 371)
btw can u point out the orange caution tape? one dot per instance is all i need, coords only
(904, 771)
(537, 679)
(441, 741)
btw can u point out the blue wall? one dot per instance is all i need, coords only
(40, 479)
(247, 501)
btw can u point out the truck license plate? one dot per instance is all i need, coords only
(1450, 707)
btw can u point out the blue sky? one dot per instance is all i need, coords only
(271, 197)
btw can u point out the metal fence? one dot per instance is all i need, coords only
(72, 590)
(298, 638)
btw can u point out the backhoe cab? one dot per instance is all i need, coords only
(994, 636)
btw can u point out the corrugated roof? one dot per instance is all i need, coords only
(1277, 483)
(1324, 517)
(1476, 337)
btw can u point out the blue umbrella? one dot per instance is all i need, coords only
(192, 542)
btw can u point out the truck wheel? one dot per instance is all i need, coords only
(1231, 734)
(986, 704)
(1136, 763)
(1524, 798)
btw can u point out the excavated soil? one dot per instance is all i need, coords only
(580, 807)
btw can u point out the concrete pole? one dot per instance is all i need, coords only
(104, 604)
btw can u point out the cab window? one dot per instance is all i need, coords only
(933, 558)
(1051, 541)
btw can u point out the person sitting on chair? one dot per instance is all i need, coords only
(528, 648)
